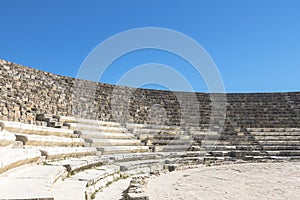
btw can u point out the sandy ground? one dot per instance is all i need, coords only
(236, 181)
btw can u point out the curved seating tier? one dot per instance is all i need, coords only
(76, 164)
(84, 155)
(11, 158)
(277, 143)
(107, 137)
(65, 152)
(18, 127)
(162, 138)
(25, 143)
(32, 182)
(67, 119)
(37, 140)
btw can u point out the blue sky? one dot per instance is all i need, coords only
(255, 44)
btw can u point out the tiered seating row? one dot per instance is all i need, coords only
(125, 151)
(38, 142)
(162, 138)
(11, 158)
(277, 143)
(107, 137)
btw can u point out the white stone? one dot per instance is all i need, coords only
(6, 138)
(33, 129)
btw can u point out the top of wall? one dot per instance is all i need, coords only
(41, 72)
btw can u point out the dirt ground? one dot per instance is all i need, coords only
(234, 181)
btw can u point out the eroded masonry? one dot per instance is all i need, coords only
(80, 136)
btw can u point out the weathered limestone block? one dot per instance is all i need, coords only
(6, 138)
(135, 190)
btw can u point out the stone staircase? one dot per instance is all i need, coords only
(53, 143)
(277, 143)
(162, 138)
(78, 157)
(252, 144)
(107, 137)
(33, 158)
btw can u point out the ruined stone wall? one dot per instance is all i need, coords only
(26, 92)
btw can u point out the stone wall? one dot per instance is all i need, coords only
(26, 92)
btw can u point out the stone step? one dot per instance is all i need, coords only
(136, 165)
(92, 176)
(278, 147)
(151, 126)
(97, 178)
(203, 132)
(156, 131)
(215, 159)
(11, 158)
(77, 164)
(69, 190)
(183, 162)
(220, 137)
(187, 161)
(17, 127)
(105, 135)
(171, 148)
(31, 182)
(200, 130)
(114, 142)
(38, 140)
(218, 153)
(133, 126)
(227, 143)
(115, 190)
(277, 158)
(162, 136)
(292, 158)
(178, 154)
(169, 142)
(88, 127)
(284, 153)
(287, 142)
(65, 152)
(252, 148)
(192, 154)
(123, 149)
(275, 134)
(6, 138)
(275, 138)
(66, 119)
(164, 127)
(48, 120)
(131, 156)
(273, 129)
(227, 147)
(242, 154)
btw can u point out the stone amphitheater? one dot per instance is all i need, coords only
(63, 138)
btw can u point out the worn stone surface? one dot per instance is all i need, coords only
(135, 191)
(25, 92)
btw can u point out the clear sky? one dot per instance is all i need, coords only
(254, 43)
